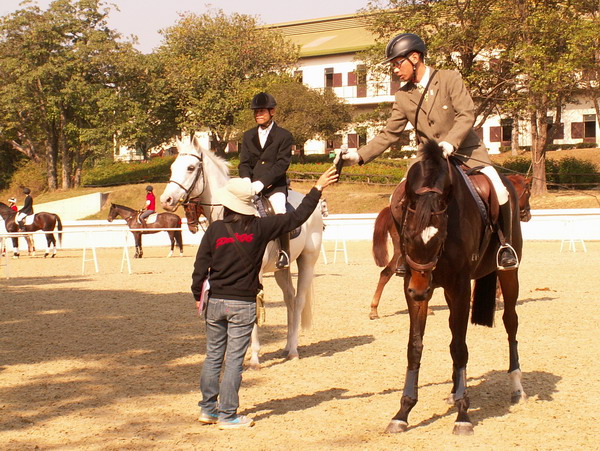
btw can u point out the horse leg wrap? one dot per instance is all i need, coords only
(459, 377)
(411, 384)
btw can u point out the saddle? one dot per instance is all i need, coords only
(265, 209)
(149, 220)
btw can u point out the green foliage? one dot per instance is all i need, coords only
(213, 62)
(568, 171)
(31, 175)
(119, 173)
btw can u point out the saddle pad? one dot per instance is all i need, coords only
(150, 219)
(264, 209)
(28, 219)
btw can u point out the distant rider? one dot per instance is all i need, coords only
(26, 210)
(150, 206)
(12, 203)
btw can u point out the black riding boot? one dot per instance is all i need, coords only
(507, 258)
(283, 259)
(401, 267)
(21, 225)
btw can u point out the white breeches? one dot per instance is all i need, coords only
(278, 203)
(20, 216)
(501, 191)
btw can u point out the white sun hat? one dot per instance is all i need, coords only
(13, 200)
(237, 196)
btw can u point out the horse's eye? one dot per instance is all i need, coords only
(190, 168)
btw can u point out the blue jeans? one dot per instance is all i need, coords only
(229, 325)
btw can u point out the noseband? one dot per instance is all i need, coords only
(189, 189)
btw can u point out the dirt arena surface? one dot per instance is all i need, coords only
(112, 360)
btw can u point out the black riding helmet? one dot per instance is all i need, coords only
(26, 190)
(263, 100)
(402, 45)
(149, 188)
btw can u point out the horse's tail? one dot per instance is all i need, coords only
(59, 227)
(484, 300)
(380, 237)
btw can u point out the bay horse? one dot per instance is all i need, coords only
(446, 243)
(196, 174)
(44, 221)
(163, 221)
(384, 227)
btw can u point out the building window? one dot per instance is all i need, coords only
(394, 83)
(586, 129)
(507, 127)
(352, 141)
(329, 77)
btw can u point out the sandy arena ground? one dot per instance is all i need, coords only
(112, 361)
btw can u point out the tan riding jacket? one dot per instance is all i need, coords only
(447, 114)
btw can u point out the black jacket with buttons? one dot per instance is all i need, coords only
(269, 164)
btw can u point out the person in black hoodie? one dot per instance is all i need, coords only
(230, 257)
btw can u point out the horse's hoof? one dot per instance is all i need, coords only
(518, 397)
(462, 428)
(294, 356)
(46, 254)
(53, 255)
(450, 399)
(254, 366)
(170, 255)
(396, 426)
(181, 254)
(373, 315)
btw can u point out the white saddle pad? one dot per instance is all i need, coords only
(152, 218)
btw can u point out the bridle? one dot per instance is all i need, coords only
(431, 265)
(189, 189)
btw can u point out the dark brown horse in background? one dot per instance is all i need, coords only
(41, 221)
(163, 221)
(446, 244)
(384, 226)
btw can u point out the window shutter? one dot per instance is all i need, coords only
(351, 78)
(576, 130)
(337, 80)
(352, 140)
(495, 134)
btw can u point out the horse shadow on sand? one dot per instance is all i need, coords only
(489, 395)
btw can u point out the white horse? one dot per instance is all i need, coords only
(198, 173)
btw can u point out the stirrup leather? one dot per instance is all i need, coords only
(512, 249)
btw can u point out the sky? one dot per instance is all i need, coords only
(144, 18)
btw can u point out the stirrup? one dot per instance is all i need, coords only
(401, 270)
(283, 260)
(512, 250)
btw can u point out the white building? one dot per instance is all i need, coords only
(328, 49)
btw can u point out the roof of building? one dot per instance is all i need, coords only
(328, 35)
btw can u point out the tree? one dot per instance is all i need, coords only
(61, 73)
(213, 62)
(305, 112)
(547, 43)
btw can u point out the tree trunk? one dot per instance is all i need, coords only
(51, 158)
(65, 153)
(538, 152)
(514, 142)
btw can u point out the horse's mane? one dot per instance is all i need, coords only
(125, 207)
(194, 147)
(6, 208)
(432, 167)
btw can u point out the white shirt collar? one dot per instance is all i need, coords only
(425, 78)
(263, 133)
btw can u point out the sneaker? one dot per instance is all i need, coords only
(208, 418)
(240, 421)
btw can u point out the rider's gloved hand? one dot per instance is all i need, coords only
(257, 187)
(447, 148)
(349, 157)
(247, 179)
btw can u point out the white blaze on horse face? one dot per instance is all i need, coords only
(428, 234)
(183, 171)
